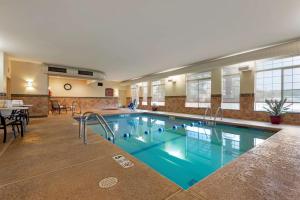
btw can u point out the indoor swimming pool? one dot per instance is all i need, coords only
(182, 150)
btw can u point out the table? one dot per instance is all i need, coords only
(26, 111)
(14, 108)
(24, 108)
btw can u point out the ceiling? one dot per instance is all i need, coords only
(131, 38)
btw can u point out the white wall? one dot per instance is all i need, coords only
(288, 49)
(81, 88)
(2, 74)
(176, 88)
(21, 72)
(215, 66)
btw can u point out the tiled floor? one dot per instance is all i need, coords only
(51, 162)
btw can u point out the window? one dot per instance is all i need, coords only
(278, 79)
(231, 87)
(144, 86)
(258, 141)
(199, 133)
(231, 140)
(158, 93)
(198, 90)
(135, 93)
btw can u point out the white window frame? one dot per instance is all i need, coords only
(234, 74)
(144, 87)
(282, 65)
(203, 77)
(156, 100)
(134, 89)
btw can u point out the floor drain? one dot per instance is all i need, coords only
(108, 182)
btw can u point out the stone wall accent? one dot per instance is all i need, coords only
(216, 100)
(88, 103)
(145, 107)
(177, 104)
(39, 103)
(3, 96)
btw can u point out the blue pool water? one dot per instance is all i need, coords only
(183, 155)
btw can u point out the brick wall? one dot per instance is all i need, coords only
(177, 104)
(89, 103)
(39, 103)
(3, 96)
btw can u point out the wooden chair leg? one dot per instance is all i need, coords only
(18, 128)
(27, 117)
(14, 130)
(5, 132)
(22, 129)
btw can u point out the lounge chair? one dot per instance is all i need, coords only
(133, 105)
(55, 106)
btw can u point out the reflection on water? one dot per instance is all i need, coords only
(184, 155)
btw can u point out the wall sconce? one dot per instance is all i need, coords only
(244, 68)
(171, 80)
(29, 84)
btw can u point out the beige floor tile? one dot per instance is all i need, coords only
(51, 162)
(253, 177)
(185, 195)
(42, 150)
(81, 182)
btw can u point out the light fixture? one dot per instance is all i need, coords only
(171, 79)
(29, 84)
(244, 68)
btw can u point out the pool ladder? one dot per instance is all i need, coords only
(219, 112)
(73, 108)
(85, 117)
(206, 111)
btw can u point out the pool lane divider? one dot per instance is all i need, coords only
(126, 135)
(174, 129)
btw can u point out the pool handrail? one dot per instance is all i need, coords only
(205, 114)
(219, 110)
(73, 108)
(100, 119)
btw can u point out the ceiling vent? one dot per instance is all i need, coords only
(68, 71)
(244, 68)
(57, 69)
(85, 73)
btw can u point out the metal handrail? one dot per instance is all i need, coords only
(217, 112)
(205, 114)
(84, 119)
(74, 108)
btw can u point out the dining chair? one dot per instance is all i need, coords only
(56, 106)
(14, 120)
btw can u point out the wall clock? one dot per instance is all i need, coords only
(67, 86)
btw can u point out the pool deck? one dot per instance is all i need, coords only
(51, 162)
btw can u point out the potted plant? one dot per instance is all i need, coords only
(276, 108)
(154, 107)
